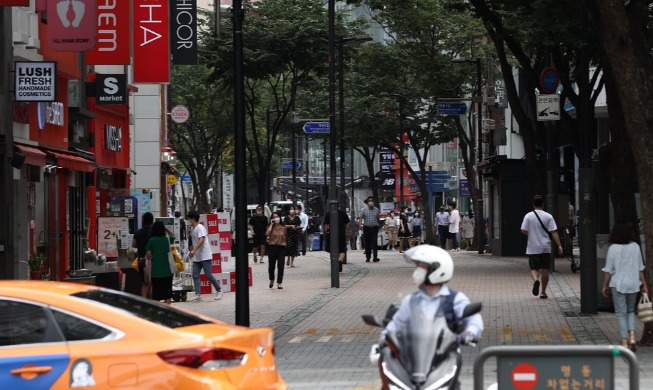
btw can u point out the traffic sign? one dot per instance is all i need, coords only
(185, 178)
(549, 80)
(317, 128)
(288, 164)
(524, 376)
(453, 108)
(548, 107)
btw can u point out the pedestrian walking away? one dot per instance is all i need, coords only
(392, 228)
(540, 228)
(277, 241)
(313, 227)
(404, 230)
(344, 234)
(292, 236)
(303, 219)
(442, 222)
(416, 224)
(624, 278)
(370, 222)
(158, 247)
(454, 227)
(202, 256)
(257, 225)
(139, 242)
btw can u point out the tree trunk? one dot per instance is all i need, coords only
(628, 60)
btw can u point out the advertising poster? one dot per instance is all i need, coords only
(109, 230)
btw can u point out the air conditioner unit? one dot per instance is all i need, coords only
(73, 93)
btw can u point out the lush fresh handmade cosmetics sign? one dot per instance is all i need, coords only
(36, 81)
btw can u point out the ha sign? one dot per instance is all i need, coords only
(151, 42)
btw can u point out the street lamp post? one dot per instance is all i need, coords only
(341, 106)
(480, 225)
(268, 187)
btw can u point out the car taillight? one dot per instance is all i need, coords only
(204, 358)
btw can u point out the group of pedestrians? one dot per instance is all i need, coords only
(448, 225)
(153, 244)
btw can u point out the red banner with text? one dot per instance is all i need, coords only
(113, 34)
(151, 41)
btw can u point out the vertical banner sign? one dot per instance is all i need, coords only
(386, 161)
(183, 32)
(151, 42)
(227, 191)
(112, 34)
(72, 25)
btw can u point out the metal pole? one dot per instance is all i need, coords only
(293, 143)
(242, 289)
(550, 200)
(268, 187)
(306, 169)
(333, 201)
(341, 106)
(8, 269)
(401, 150)
(480, 227)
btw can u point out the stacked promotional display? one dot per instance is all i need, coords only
(218, 227)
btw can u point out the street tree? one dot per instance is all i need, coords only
(623, 30)
(286, 43)
(202, 142)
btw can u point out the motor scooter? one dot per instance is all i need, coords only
(424, 357)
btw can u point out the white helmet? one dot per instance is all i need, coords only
(438, 260)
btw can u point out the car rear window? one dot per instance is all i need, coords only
(143, 308)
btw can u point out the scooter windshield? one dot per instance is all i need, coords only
(428, 340)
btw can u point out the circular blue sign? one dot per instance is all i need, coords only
(549, 80)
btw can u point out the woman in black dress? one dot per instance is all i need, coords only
(404, 230)
(292, 236)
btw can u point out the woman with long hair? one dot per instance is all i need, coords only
(158, 247)
(292, 223)
(276, 234)
(404, 230)
(624, 277)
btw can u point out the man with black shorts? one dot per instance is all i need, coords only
(139, 242)
(257, 225)
(540, 227)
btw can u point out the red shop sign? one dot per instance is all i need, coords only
(151, 42)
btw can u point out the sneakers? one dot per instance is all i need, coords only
(196, 298)
(218, 296)
(376, 260)
(536, 287)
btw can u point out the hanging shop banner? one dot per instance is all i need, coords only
(183, 32)
(36, 81)
(151, 41)
(112, 34)
(72, 25)
(111, 89)
(14, 3)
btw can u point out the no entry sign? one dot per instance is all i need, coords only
(524, 376)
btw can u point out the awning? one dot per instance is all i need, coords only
(33, 156)
(72, 162)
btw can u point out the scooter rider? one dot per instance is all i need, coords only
(434, 269)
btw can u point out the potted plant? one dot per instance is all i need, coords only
(35, 265)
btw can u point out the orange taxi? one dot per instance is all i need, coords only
(64, 335)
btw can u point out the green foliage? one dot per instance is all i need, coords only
(35, 263)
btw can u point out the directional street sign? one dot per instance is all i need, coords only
(288, 164)
(185, 178)
(453, 108)
(317, 128)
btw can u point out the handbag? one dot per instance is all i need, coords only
(171, 262)
(645, 309)
(135, 264)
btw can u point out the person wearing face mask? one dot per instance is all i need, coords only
(416, 224)
(404, 230)
(292, 236)
(257, 225)
(276, 234)
(391, 226)
(434, 269)
(370, 222)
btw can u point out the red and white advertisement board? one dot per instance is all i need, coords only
(228, 280)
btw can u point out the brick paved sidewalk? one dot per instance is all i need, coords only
(323, 344)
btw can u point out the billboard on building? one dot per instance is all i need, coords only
(113, 38)
(151, 41)
(72, 25)
(36, 81)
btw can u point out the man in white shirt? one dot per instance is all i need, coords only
(454, 227)
(202, 256)
(303, 225)
(539, 226)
